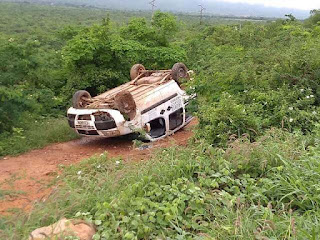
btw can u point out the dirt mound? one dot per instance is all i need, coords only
(25, 178)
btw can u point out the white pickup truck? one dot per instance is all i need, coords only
(152, 102)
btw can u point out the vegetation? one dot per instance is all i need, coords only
(98, 58)
(43, 65)
(31, 74)
(39, 134)
(267, 189)
(255, 78)
(252, 169)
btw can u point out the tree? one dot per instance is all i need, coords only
(162, 29)
(314, 18)
(165, 25)
(99, 58)
(290, 17)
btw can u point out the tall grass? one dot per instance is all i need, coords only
(37, 135)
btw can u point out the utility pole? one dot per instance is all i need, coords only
(201, 12)
(153, 5)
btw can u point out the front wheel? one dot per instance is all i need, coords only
(125, 103)
(80, 99)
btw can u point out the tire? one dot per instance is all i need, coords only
(136, 70)
(126, 105)
(78, 101)
(179, 70)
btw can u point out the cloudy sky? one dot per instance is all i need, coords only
(299, 4)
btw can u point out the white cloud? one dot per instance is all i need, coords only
(298, 4)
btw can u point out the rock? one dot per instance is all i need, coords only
(84, 231)
(65, 228)
(144, 147)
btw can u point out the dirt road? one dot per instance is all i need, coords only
(24, 179)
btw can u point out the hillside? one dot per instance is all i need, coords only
(190, 6)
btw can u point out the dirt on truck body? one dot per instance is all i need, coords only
(152, 102)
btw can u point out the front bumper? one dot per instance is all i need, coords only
(86, 122)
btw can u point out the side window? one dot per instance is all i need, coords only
(157, 127)
(176, 119)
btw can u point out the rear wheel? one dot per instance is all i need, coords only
(80, 99)
(136, 70)
(179, 71)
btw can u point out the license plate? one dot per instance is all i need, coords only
(84, 124)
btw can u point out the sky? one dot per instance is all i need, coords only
(298, 4)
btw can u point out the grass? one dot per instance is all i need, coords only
(263, 190)
(10, 193)
(38, 135)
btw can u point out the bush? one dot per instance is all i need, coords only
(253, 111)
(220, 120)
(255, 78)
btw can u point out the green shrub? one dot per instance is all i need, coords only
(270, 73)
(254, 111)
(35, 134)
(220, 120)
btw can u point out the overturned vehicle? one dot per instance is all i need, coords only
(152, 102)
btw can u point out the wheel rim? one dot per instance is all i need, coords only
(181, 73)
(82, 102)
(140, 70)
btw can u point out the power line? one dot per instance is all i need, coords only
(201, 12)
(153, 5)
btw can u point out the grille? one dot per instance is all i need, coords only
(105, 125)
(88, 132)
(104, 121)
